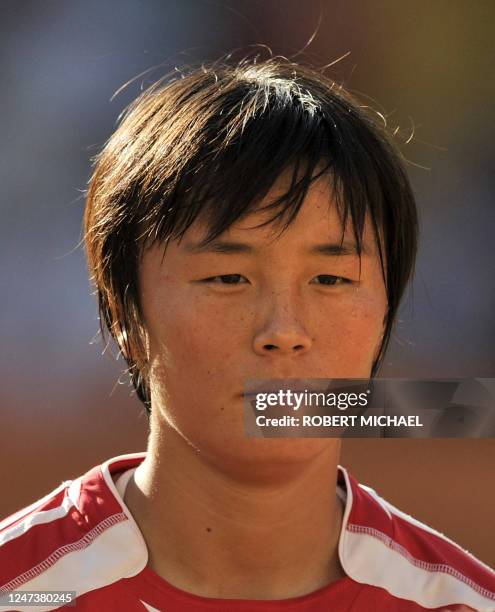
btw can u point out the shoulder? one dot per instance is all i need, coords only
(81, 523)
(384, 547)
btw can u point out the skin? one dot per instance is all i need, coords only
(224, 515)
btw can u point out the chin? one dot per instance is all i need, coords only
(268, 459)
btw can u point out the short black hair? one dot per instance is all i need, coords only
(209, 142)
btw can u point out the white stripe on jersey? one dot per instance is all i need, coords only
(38, 518)
(148, 607)
(108, 555)
(32, 507)
(430, 585)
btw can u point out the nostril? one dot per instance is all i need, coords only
(270, 347)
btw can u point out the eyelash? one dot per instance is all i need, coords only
(343, 281)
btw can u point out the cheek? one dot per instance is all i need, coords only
(188, 334)
(352, 330)
(365, 327)
(368, 312)
(189, 360)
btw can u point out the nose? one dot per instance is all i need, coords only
(282, 331)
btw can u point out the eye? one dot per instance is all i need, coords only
(329, 280)
(225, 279)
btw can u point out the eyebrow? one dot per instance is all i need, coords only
(225, 247)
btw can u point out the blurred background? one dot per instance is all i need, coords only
(427, 66)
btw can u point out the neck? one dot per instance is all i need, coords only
(216, 536)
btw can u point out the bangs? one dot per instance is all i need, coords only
(265, 131)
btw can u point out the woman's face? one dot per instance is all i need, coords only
(257, 306)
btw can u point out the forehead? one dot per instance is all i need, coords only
(317, 220)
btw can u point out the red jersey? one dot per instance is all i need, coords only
(81, 537)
